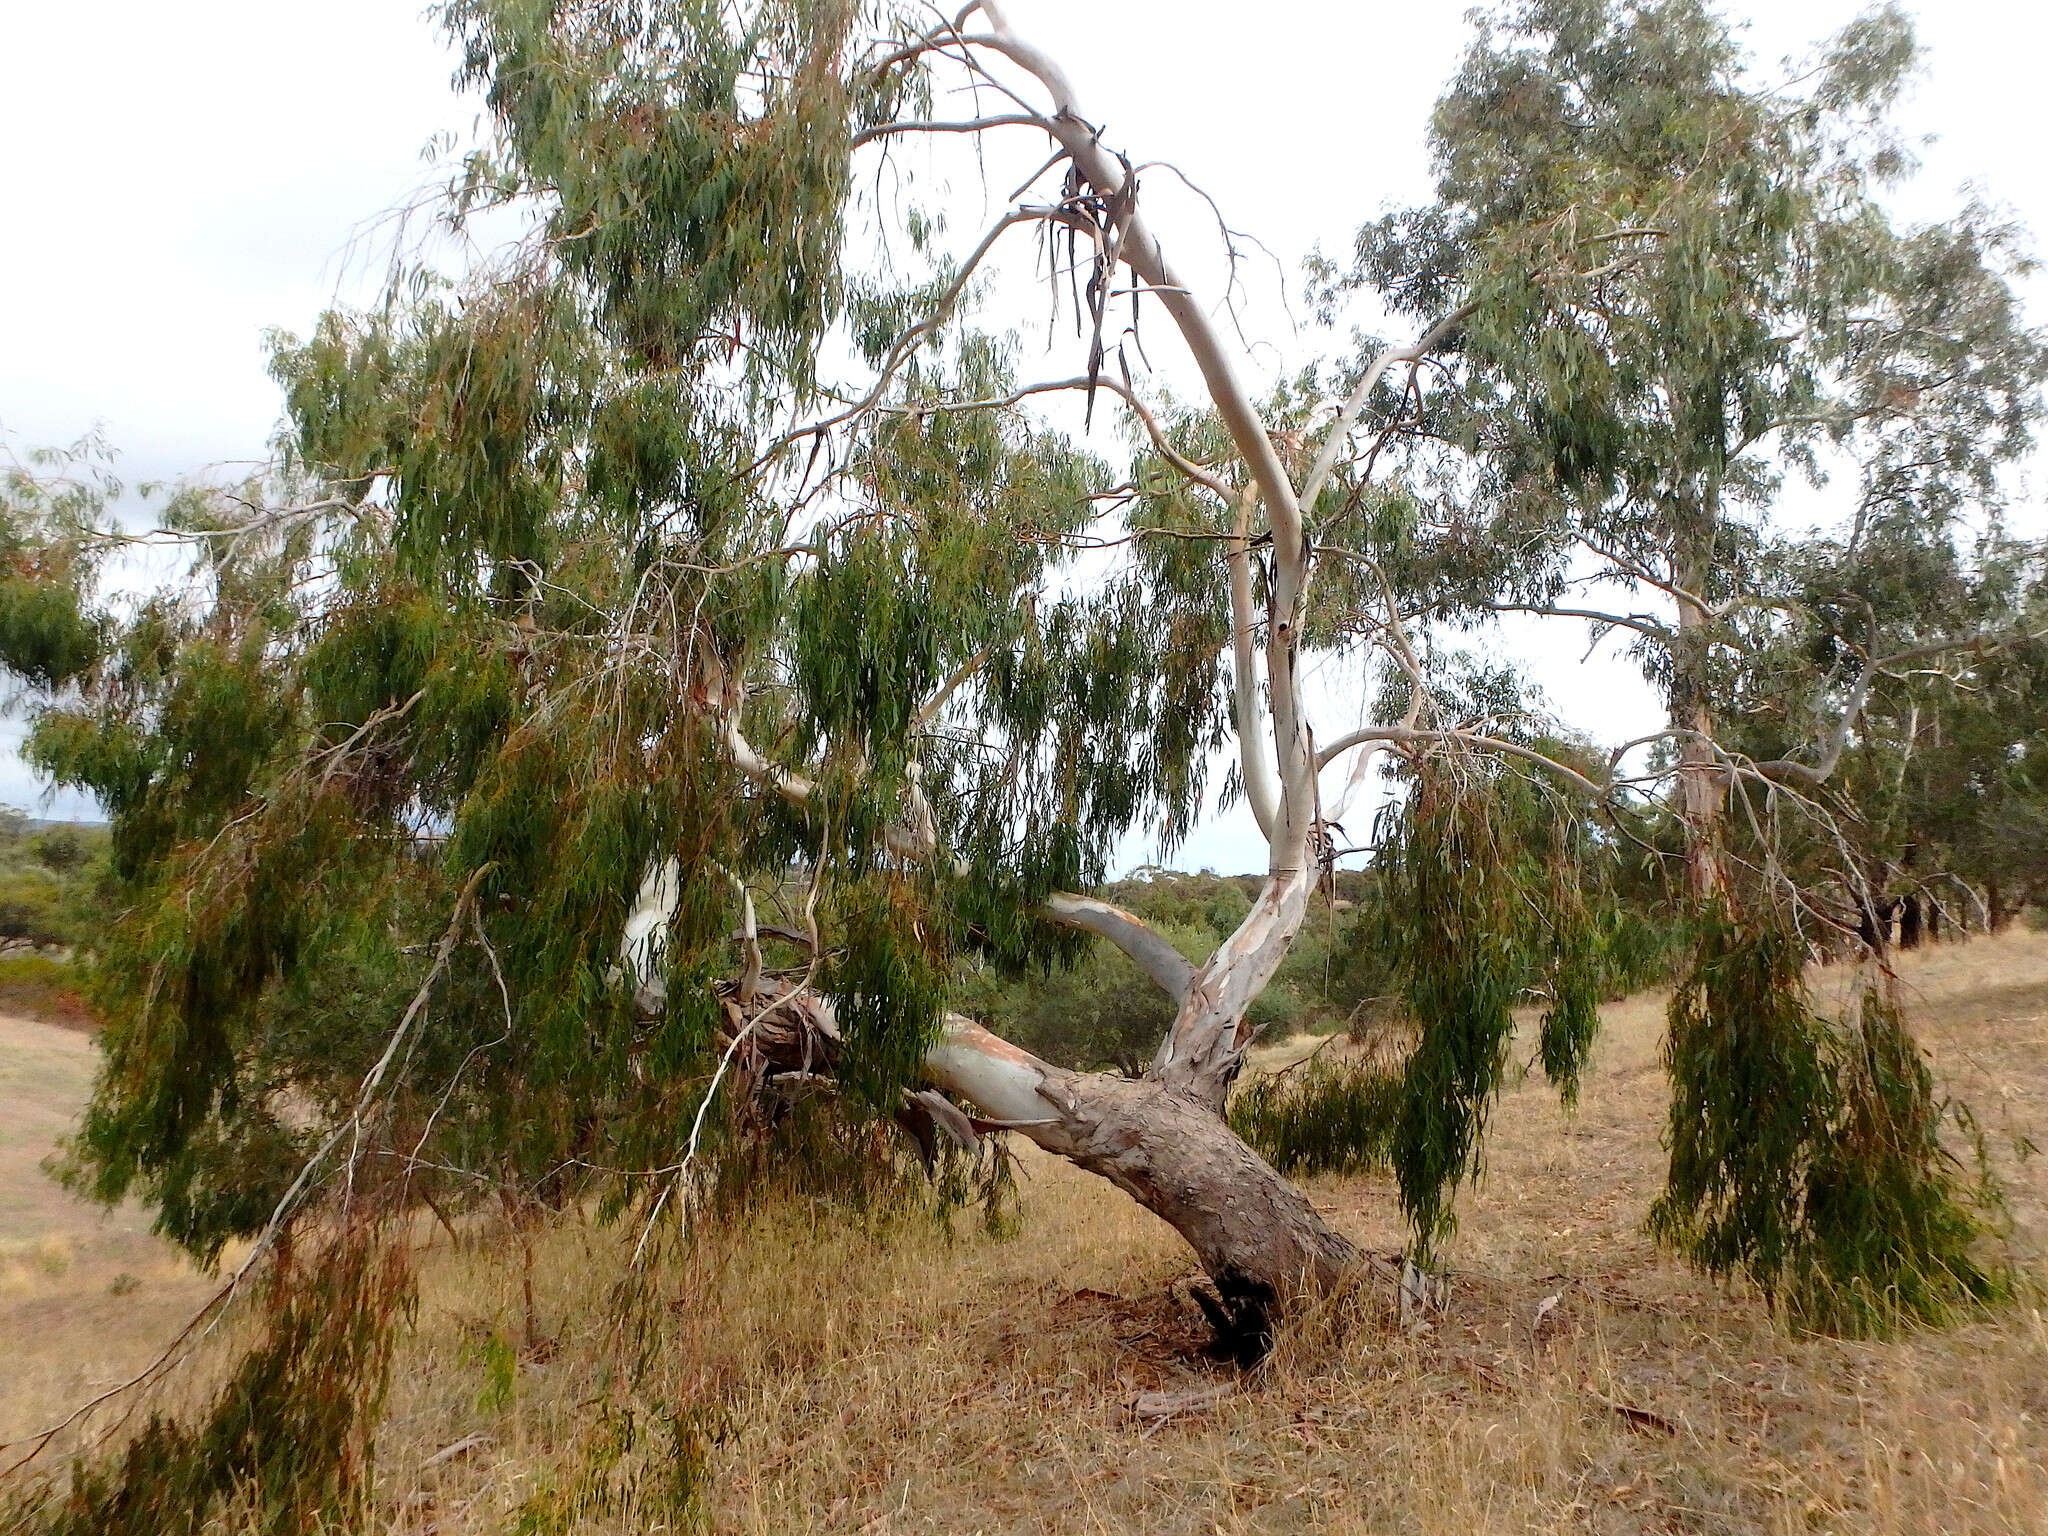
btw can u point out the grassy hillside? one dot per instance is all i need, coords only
(814, 1376)
(85, 1296)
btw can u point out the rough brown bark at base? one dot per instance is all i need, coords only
(1261, 1243)
(1258, 1238)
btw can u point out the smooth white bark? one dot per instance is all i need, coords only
(1146, 946)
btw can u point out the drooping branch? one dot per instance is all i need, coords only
(291, 1203)
(1403, 734)
(907, 342)
(917, 839)
(1192, 471)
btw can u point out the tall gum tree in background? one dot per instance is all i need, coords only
(1683, 291)
(677, 564)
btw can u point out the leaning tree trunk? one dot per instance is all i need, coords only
(1257, 1236)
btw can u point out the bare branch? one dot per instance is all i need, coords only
(1354, 404)
(937, 701)
(1197, 473)
(1257, 769)
(967, 125)
(1636, 571)
(1641, 623)
(1859, 696)
(1105, 174)
(1403, 734)
(907, 342)
(793, 787)
(1148, 950)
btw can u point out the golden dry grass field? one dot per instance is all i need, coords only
(824, 1375)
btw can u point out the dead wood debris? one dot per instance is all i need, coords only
(1157, 1407)
(1637, 1418)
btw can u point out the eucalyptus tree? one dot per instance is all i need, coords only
(1682, 290)
(1935, 790)
(662, 654)
(1685, 291)
(665, 651)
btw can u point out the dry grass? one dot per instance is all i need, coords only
(893, 1377)
(86, 1296)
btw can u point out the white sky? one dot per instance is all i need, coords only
(179, 178)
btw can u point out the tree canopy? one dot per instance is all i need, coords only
(668, 663)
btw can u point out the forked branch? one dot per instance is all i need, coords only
(1859, 697)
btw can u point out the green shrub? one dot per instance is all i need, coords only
(60, 850)
(35, 905)
(1806, 1150)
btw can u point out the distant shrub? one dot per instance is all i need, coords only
(1326, 1116)
(43, 988)
(33, 906)
(60, 849)
(1102, 1013)
(1276, 1012)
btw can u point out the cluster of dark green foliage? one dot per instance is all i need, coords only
(1684, 288)
(1806, 1152)
(534, 564)
(284, 1446)
(1323, 1115)
(48, 632)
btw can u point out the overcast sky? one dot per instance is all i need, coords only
(181, 178)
